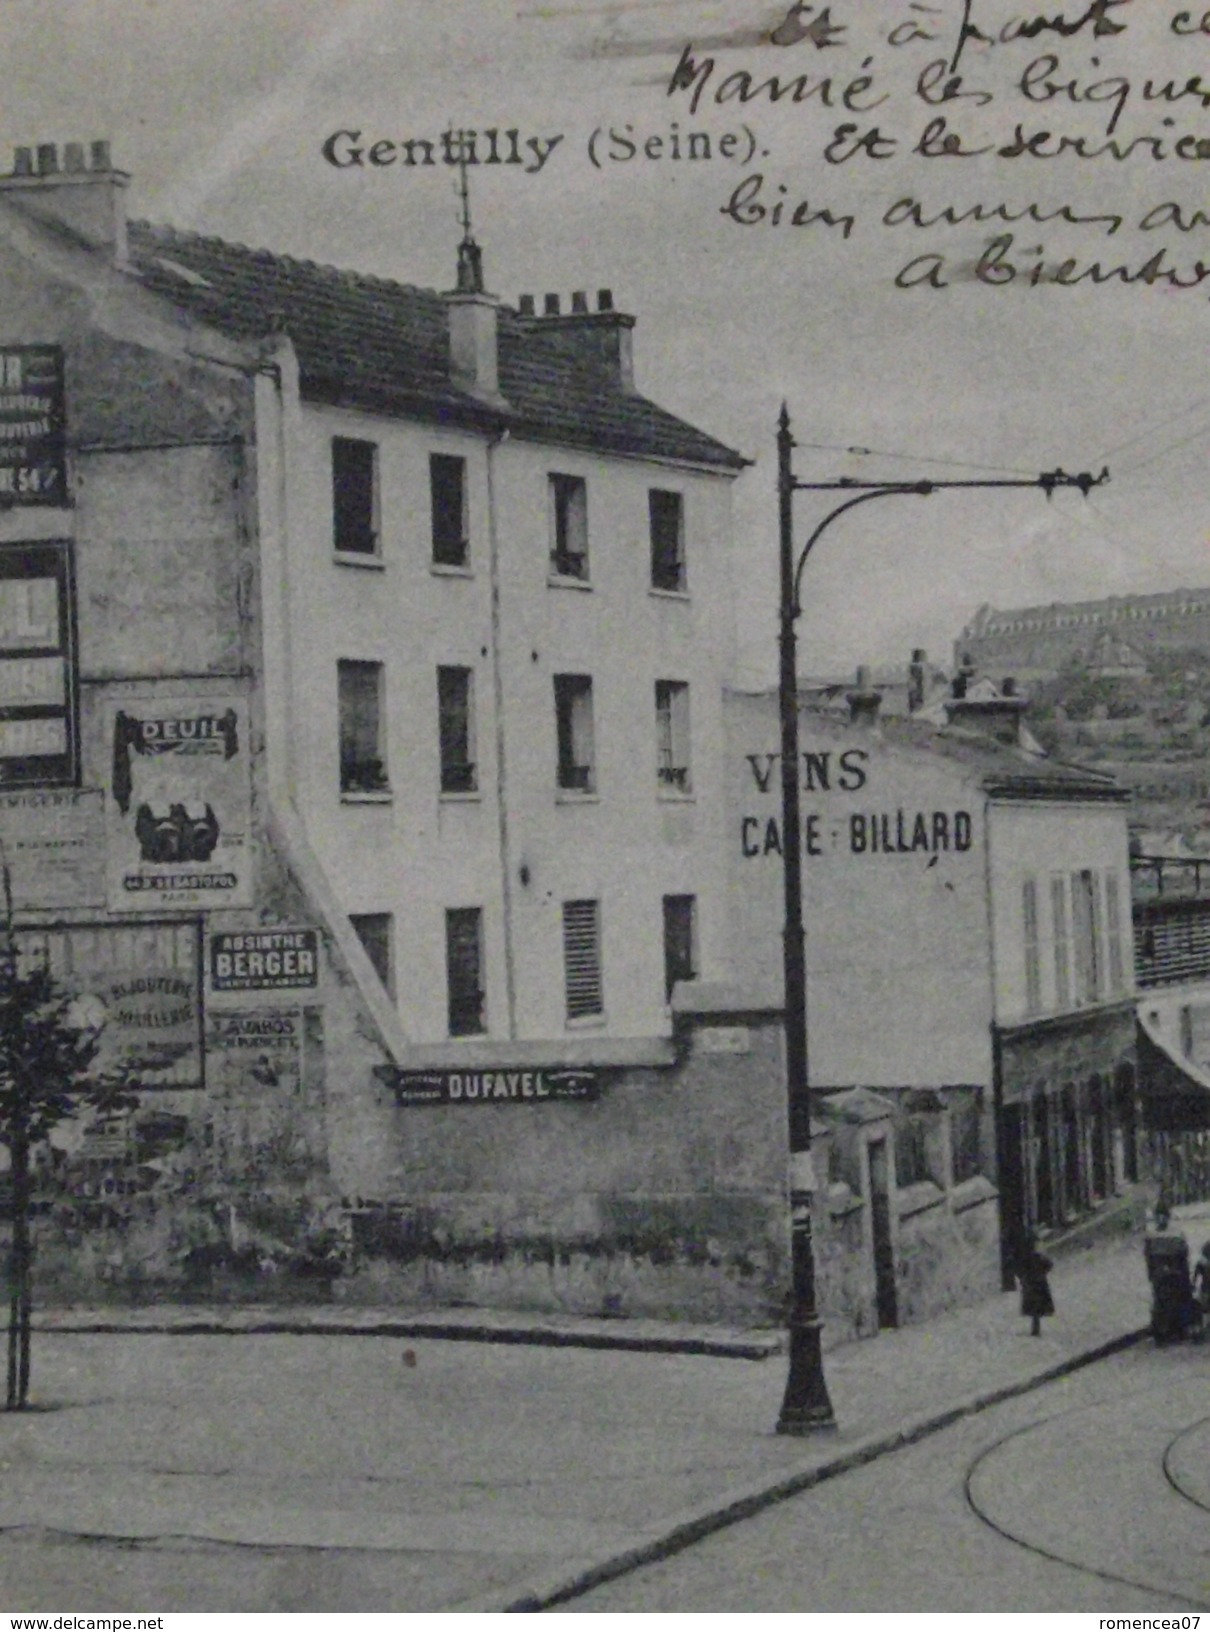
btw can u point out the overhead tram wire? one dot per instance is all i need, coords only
(1171, 447)
(913, 458)
(1142, 436)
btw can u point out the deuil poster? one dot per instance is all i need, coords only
(179, 805)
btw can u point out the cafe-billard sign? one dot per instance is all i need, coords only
(33, 466)
(496, 1087)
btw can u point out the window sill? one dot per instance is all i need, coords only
(668, 594)
(572, 796)
(587, 1022)
(972, 1193)
(460, 796)
(558, 580)
(919, 1198)
(350, 558)
(350, 796)
(447, 569)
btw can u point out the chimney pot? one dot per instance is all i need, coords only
(23, 161)
(579, 301)
(864, 702)
(550, 305)
(1008, 686)
(48, 159)
(100, 156)
(604, 300)
(73, 157)
(525, 306)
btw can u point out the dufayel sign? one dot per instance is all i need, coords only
(496, 1087)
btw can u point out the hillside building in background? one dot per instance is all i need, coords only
(1112, 636)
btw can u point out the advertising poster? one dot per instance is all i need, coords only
(178, 807)
(33, 465)
(54, 840)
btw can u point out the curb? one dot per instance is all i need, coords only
(743, 1503)
(719, 1348)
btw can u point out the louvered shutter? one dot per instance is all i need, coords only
(582, 958)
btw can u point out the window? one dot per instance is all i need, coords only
(38, 735)
(354, 496)
(1058, 913)
(464, 970)
(569, 527)
(582, 958)
(672, 735)
(455, 719)
(1086, 934)
(447, 488)
(1113, 928)
(666, 511)
(362, 751)
(573, 725)
(680, 941)
(911, 1151)
(1033, 967)
(374, 933)
(966, 1138)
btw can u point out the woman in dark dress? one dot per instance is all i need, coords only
(1032, 1272)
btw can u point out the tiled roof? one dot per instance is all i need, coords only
(371, 343)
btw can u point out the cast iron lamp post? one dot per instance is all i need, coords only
(806, 1407)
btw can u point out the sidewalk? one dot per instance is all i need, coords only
(498, 1474)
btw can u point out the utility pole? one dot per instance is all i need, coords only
(807, 1407)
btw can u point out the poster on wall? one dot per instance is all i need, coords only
(37, 664)
(54, 844)
(33, 459)
(139, 987)
(255, 1049)
(179, 806)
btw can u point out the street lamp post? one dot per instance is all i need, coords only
(806, 1407)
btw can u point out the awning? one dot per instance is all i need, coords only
(1175, 1093)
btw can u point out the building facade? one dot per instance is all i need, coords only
(362, 764)
(970, 984)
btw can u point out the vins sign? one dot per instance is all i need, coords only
(33, 457)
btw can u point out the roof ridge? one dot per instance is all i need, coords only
(345, 273)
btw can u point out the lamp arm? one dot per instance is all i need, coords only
(923, 488)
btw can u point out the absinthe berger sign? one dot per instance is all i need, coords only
(846, 817)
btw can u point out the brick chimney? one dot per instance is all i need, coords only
(916, 680)
(82, 192)
(864, 702)
(474, 331)
(998, 717)
(604, 337)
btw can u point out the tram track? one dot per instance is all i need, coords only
(983, 1458)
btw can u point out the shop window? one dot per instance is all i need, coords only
(569, 527)
(374, 931)
(456, 726)
(574, 733)
(464, 971)
(1033, 966)
(363, 766)
(680, 941)
(354, 496)
(38, 736)
(1058, 914)
(582, 959)
(447, 489)
(672, 736)
(667, 519)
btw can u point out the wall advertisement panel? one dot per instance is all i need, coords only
(179, 808)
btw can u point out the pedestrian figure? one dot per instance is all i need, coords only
(1174, 1313)
(1201, 1285)
(1032, 1275)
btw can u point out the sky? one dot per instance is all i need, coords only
(219, 111)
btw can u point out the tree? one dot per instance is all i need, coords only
(45, 1060)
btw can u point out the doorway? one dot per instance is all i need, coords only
(880, 1227)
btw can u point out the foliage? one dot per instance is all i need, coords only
(45, 1059)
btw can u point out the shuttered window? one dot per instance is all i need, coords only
(354, 496)
(680, 938)
(464, 970)
(447, 489)
(582, 958)
(569, 527)
(1033, 966)
(1113, 929)
(666, 512)
(363, 766)
(455, 709)
(1058, 913)
(1085, 931)
(374, 933)
(672, 735)
(574, 733)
